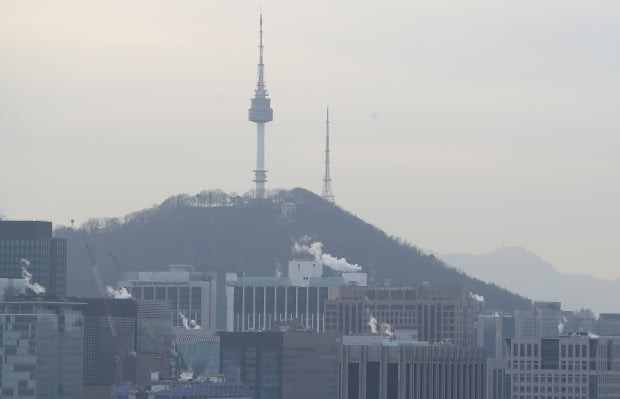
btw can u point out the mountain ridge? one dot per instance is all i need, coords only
(535, 276)
(239, 234)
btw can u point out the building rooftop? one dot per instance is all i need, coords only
(25, 230)
(399, 337)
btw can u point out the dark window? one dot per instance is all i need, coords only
(392, 381)
(148, 293)
(291, 293)
(172, 297)
(353, 381)
(196, 298)
(280, 301)
(184, 298)
(302, 299)
(550, 352)
(372, 380)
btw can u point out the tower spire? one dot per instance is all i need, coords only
(328, 194)
(260, 112)
(261, 67)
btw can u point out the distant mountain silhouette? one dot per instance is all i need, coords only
(219, 232)
(518, 269)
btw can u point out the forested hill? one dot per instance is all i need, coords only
(217, 232)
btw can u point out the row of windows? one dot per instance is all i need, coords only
(548, 397)
(549, 378)
(534, 365)
(556, 389)
(23, 243)
(182, 297)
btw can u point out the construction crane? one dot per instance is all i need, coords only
(121, 347)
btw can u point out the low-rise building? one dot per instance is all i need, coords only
(439, 314)
(400, 366)
(575, 366)
(257, 303)
(190, 294)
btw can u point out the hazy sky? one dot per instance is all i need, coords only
(457, 125)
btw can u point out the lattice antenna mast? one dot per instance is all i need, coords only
(328, 193)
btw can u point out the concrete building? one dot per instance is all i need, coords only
(609, 324)
(545, 319)
(41, 349)
(190, 294)
(440, 314)
(283, 363)
(257, 303)
(31, 245)
(572, 366)
(401, 367)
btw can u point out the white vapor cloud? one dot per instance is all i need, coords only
(120, 293)
(26, 275)
(316, 250)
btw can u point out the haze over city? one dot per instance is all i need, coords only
(458, 126)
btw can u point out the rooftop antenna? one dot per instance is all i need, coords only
(328, 194)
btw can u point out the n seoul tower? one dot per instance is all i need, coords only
(260, 112)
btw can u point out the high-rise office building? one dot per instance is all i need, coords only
(30, 245)
(257, 303)
(491, 332)
(190, 294)
(283, 363)
(609, 324)
(41, 349)
(574, 366)
(110, 332)
(440, 314)
(400, 366)
(545, 319)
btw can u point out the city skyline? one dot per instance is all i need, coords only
(487, 136)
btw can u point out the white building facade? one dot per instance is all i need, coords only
(256, 303)
(190, 293)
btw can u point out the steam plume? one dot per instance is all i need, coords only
(387, 329)
(316, 250)
(372, 323)
(561, 325)
(120, 293)
(476, 297)
(189, 324)
(26, 275)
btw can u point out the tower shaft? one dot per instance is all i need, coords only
(260, 174)
(327, 193)
(260, 112)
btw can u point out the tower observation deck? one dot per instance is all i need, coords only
(260, 112)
